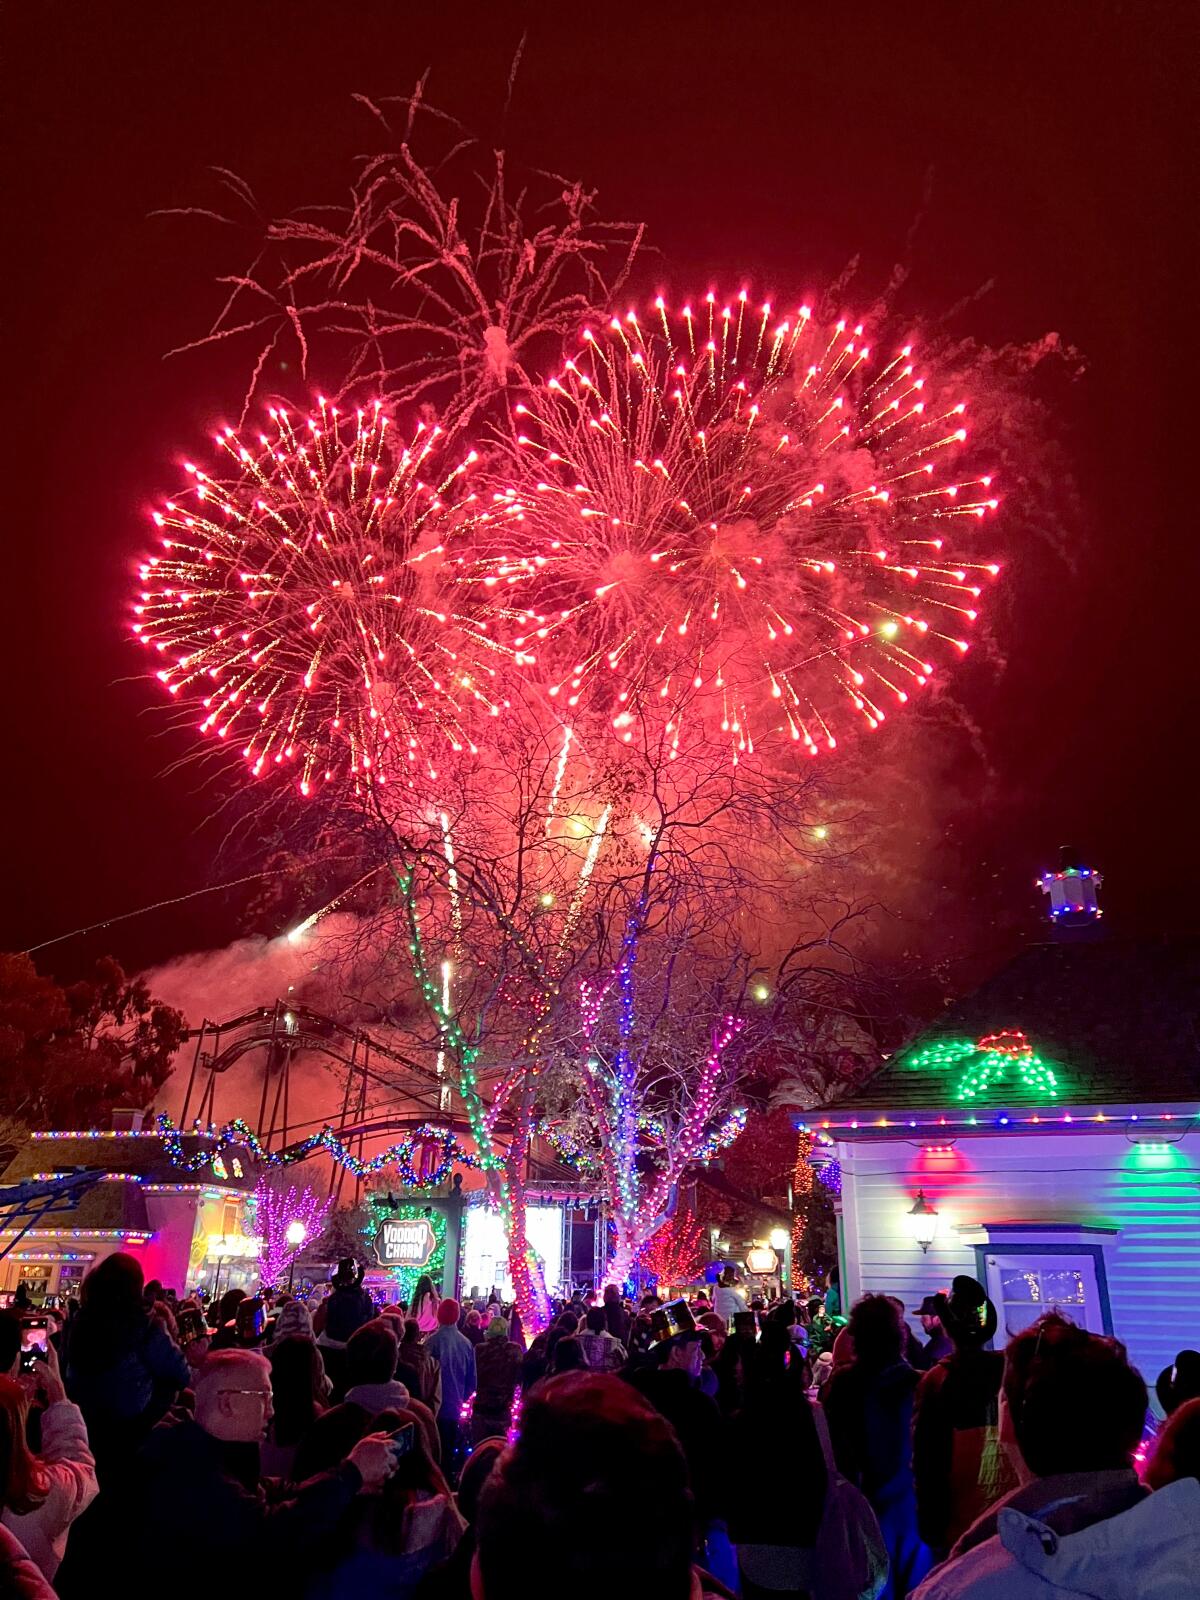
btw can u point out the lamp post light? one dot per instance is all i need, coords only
(780, 1241)
(220, 1249)
(296, 1235)
(923, 1222)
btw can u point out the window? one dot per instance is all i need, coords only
(36, 1279)
(1024, 1285)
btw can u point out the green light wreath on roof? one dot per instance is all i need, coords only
(997, 1058)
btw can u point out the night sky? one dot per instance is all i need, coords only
(761, 144)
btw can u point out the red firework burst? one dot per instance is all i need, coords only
(302, 600)
(739, 516)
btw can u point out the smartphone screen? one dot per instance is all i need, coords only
(403, 1440)
(33, 1334)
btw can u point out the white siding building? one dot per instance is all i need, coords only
(1106, 1229)
(1050, 1121)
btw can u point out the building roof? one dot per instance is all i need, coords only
(134, 1163)
(141, 1153)
(1116, 1022)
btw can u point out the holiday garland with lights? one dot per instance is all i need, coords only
(409, 1156)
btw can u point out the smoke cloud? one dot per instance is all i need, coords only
(220, 985)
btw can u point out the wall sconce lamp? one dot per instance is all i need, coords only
(923, 1221)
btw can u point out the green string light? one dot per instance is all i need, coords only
(988, 1062)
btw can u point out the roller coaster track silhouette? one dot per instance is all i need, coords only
(284, 1031)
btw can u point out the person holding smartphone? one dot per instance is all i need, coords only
(394, 1536)
(43, 1494)
(199, 1478)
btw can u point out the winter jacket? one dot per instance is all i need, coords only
(72, 1473)
(346, 1310)
(20, 1578)
(869, 1412)
(186, 1480)
(498, 1371)
(425, 1365)
(727, 1302)
(456, 1356)
(124, 1389)
(1059, 1539)
(430, 1529)
(870, 1425)
(700, 1429)
(959, 1466)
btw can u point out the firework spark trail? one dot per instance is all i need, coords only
(556, 786)
(443, 1086)
(452, 882)
(439, 278)
(301, 928)
(554, 972)
(571, 919)
(303, 602)
(738, 516)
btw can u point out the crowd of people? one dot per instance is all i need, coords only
(705, 1447)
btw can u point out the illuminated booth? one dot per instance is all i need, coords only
(187, 1229)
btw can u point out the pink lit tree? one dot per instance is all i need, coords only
(287, 1218)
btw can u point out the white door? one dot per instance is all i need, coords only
(1025, 1287)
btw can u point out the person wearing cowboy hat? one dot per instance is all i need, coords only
(1179, 1382)
(958, 1463)
(929, 1315)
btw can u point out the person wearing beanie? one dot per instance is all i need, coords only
(455, 1355)
(371, 1381)
(498, 1371)
(959, 1466)
(293, 1321)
